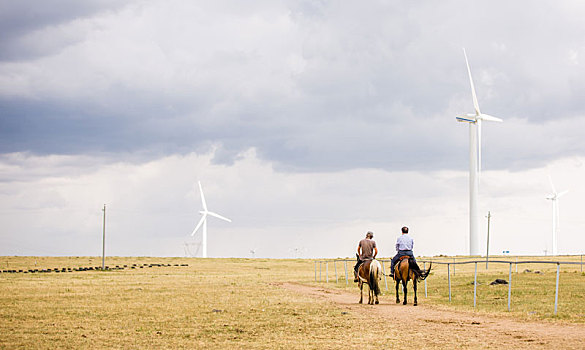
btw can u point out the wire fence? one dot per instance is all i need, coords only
(451, 263)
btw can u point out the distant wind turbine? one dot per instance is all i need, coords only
(554, 197)
(188, 253)
(203, 222)
(474, 120)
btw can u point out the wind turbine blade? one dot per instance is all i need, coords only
(551, 185)
(475, 104)
(219, 216)
(562, 194)
(202, 196)
(199, 224)
(464, 119)
(490, 118)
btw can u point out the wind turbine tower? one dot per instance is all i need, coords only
(474, 120)
(554, 197)
(203, 222)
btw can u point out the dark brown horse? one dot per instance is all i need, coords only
(370, 272)
(406, 270)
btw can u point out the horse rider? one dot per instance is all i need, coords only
(366, 250)
(404, 245)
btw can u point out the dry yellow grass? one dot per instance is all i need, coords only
(212, 303)
(532, 297)
(532, 294)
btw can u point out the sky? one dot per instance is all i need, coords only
(308, 124)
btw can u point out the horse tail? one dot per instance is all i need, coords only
(375, 272)
(418, 273)
(424, 274)
(427, 272)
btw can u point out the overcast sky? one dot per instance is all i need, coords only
(307, 122)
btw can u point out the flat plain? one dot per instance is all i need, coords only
(269, 303)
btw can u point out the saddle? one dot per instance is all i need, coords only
(365, 265)
(360, 262)
(411, 263)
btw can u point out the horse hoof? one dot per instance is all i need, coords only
(404, 303)
(415, 304)
(377, 302)
(361, 302)
(397, 301)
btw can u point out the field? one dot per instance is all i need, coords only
(533, 287)
(260, 304)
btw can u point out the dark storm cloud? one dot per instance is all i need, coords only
(21, 20)
(311, 86)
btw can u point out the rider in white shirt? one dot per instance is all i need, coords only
(404, 245)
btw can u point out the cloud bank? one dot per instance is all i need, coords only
(308, 122)
(312, 87)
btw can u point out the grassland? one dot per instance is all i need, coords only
(532, 292)
(233, 303)
(212, 303)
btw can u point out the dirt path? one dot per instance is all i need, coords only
(454, 329)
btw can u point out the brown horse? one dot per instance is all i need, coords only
(370, 272)
(406, 270)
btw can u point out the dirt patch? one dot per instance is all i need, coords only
(437, 328)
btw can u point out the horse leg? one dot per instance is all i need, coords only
(404, 285)
(397, 286)
(361, 284)
(414, 286)
(370, 295)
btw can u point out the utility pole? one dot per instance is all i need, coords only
(104, 240)
(487, 254)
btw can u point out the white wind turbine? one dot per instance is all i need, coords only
(554, 197)
(188, 253)
(203, 222)
(474, 120)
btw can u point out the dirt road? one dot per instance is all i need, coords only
(446, 329)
